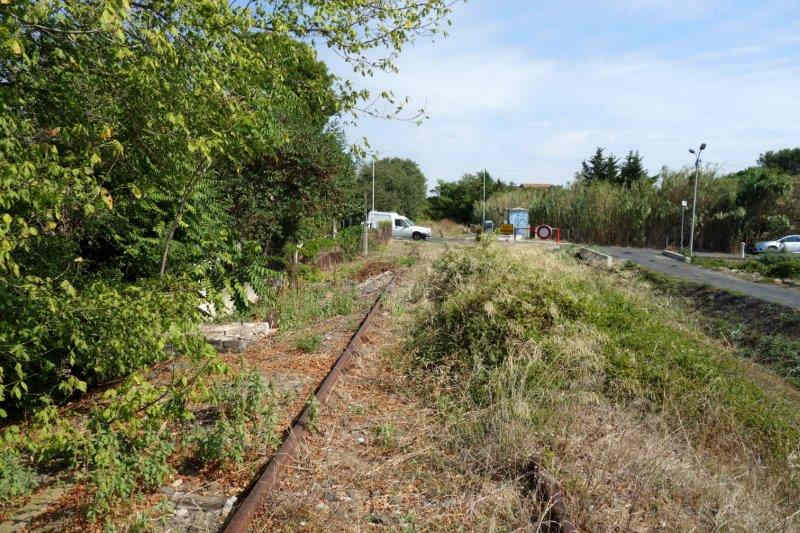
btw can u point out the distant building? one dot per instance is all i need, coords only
(536, 185)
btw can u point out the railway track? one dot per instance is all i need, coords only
(241, 517)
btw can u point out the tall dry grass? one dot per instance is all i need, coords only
(648, 423)
(649, 214)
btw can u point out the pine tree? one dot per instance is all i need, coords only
(611, 169)
(595, 169)
(632, 169)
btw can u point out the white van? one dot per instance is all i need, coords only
(401, 226)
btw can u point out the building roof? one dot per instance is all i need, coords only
(536, 185)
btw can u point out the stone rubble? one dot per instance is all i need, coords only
(235, 337)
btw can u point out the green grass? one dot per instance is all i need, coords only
(766, 333)
(294, 309)
(16, 478)
(309, 343)
(770, 265)
(649, 359)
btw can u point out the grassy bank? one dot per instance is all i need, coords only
(649, 422)
(766, 333)
(770, 266)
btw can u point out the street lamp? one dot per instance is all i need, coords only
(694, 202)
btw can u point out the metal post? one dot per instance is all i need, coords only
(483, 221)
(366, 227)
(373, 184)
(683, 210)
(694, 201)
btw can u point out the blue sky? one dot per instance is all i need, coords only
(528, 89)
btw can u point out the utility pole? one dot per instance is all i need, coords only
(373, 184)
(694, 202)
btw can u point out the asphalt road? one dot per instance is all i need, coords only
(653, 260)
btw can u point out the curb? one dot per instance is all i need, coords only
(587, 254)
(676, 256)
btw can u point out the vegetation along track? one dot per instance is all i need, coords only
(242, 515)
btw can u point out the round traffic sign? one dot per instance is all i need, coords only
(544, 232)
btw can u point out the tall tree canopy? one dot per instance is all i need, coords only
(455, 200)
(786, 160)
(608, 168)
(632, 169)
(760, 193)
(399, 186)
(599, 167)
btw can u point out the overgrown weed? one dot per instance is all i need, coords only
(309, 343)
(644, 419)
(245, 414)
(766, 333)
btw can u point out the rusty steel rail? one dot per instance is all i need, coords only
(242, 515)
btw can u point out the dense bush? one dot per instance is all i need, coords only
(480, 318)
(780, 265)
(64, 340)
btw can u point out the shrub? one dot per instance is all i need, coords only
(309, 343)
(245, 415)
(779, 265)
(350, 240)
(56, 340)
(486, 311)
(16, 478)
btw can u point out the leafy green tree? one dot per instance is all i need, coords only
(786, 160)
(456, 200)
(632, 170)
(125, 129)
(760, 191)
(399, 186)
(152, 151)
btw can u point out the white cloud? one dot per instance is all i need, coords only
(735, 52)
(533, 116)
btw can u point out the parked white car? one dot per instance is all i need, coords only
(401, 226)
(790, 243)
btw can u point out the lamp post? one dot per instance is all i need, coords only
(694, 202)
(684, 205)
